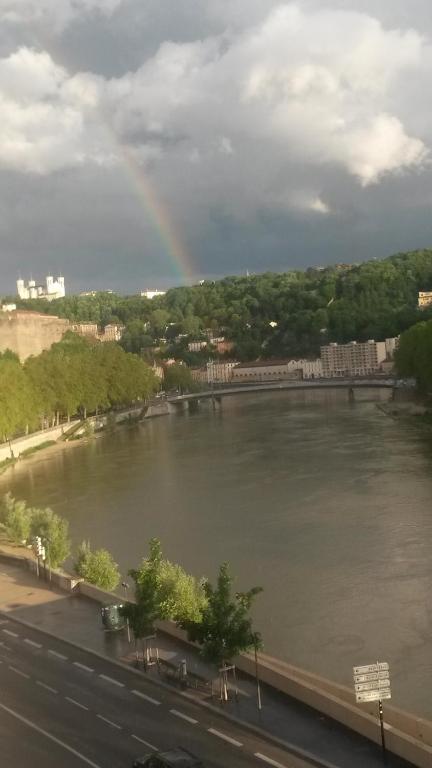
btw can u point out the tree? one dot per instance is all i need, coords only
(413, 358)
(225, 629)
(53, 531)
(177, 376)
(97, 567)
(16, 519)
(163, 590)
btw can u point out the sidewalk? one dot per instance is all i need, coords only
(77, 619)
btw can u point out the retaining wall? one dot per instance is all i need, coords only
(33, 440)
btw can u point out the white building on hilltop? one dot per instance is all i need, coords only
(53, 289)
(152, 294)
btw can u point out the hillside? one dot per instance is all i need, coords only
(270, 314)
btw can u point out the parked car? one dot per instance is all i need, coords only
(174, 758)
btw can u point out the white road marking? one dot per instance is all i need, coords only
(183, 716)
(18, 672)
(57, 655)
(32, 642)
(146, 698)
(6, 647)
(269, 760)
(110, 722)
(76, 703)
(112, 680)
(9, 632)
(47, 687)
(83, 666)
(147, 743)
(225, 737)
(50, 736)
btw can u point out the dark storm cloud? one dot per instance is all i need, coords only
(274, 134)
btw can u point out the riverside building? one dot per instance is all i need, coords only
(277, 370)
(356, 358)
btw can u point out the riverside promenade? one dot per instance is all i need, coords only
(76, 619)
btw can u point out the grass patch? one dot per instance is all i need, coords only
(35, 448)
(6, 463)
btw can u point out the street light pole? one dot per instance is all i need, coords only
(125, 586)
(259, 705)
(49, 559)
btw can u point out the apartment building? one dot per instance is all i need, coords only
(356, 358)
(424, 299)
(265, 370)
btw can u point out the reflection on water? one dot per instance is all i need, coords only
(324, 503)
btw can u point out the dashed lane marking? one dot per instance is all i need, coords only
(112, 680)
(146, 698)
(183, 716)
(47, 687)
(83, 666)
(9, 632)
(32, 642)
(221, 735)
(146, 743)
(76, 703)
(57, 655)
(269, 760)
(110, 722)
(19, 672)
(48, 735)
(4, 646)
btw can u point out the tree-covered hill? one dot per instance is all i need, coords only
(269, 314)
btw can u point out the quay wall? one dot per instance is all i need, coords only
(32, 441)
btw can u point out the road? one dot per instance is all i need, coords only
(62, 706)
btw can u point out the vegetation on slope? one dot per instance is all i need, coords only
(271, 314)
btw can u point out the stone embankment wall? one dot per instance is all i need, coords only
(17, 447)
(408, 736)
(29, 333)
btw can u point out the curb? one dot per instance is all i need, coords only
(254, 729)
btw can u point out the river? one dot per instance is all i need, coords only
(324, 503)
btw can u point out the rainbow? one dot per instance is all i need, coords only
(158, 215)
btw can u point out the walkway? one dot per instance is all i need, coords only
(77, 619)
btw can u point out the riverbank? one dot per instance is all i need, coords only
(76, 432)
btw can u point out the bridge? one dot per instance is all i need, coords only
(349, 384)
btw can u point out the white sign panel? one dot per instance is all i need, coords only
(373, 696)
(379, 667)
(372, 686)
(372, 682)
(371, 676)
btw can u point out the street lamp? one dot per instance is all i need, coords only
(259, 705)
(125, 586)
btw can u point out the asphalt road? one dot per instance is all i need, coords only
(62, 706)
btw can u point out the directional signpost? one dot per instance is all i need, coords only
(372, 683)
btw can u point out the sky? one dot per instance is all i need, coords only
(149, 143)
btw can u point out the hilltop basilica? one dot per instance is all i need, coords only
(53, 289)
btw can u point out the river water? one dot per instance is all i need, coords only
(324, 503)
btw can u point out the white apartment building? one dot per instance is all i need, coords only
(356, 358)
(53, 289)
(424, 299)
(152, 294)
(196, 346)
(220, 372)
